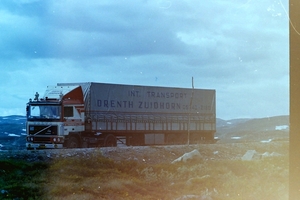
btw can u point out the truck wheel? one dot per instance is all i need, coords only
(73, 142)
(85, 144)
(110, 141)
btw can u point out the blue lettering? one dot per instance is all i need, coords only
(112, 103)
(105, 103)
(167, 105)
(173, 106)
(130, 104)
(162, 105)
(175, 95)
(158, 105)
(119, 104)
(133, 93)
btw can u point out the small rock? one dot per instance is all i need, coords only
(266, 154)
(275, 154)
(4, 192)
(197, 180)
(249, 155)
(188, 156)
(191, 196)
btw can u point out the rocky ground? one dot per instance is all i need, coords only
(153, 155)
(158, 154)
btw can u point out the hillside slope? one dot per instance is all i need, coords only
(12, 132)
(262, 129)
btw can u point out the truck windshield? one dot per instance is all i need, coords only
(52, 112)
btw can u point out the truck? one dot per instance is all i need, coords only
(90, 114)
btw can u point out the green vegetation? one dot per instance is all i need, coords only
(97, 177)
(22, 180)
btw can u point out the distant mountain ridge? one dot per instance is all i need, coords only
(12, 132)
(253, 124)
(276, 127)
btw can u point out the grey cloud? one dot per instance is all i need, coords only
(97, 30)
(231, 46)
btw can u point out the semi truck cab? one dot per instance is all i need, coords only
(55, 118)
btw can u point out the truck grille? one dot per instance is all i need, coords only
(42, 130)
(42, 139)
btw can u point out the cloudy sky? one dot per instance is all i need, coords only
(237, 47)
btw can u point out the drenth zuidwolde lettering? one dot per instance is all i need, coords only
(141, 104)
(150, 105)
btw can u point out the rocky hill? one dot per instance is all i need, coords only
(12, 132)
(261, 129)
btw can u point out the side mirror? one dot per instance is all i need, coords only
(27, 110)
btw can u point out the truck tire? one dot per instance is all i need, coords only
(85, 144)
(110, 141)
(73, 142)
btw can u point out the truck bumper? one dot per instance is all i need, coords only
(31, 146)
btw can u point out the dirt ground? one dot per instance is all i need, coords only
(158, 154)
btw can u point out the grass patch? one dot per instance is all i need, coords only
(100, 177)
(97, 177)
(22, 180)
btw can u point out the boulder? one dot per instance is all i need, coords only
(195, 154)
(249, 155)
(252, 155)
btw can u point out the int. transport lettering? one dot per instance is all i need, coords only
(175, 95)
